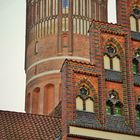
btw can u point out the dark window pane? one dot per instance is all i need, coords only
(65, 3)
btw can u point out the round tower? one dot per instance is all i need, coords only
(55, 30)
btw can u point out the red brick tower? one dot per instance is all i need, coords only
(55, 30)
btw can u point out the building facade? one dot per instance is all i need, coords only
(97, 93)
(101, 99)
(55, 30)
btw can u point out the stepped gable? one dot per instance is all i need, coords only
(81, 67)
(15, 126)
(108, 27)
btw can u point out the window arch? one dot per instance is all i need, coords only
(135, 66)
(85, 83)
(136, 62)
(79, 103)
(65, 6)
(118, 108)
(84, 100)
(116, 63)
(139, 24)
(111, 60)
(113, 104)
(89, 105)
(135, 20)
(35, 100)
(109, 107)
(138, 111)
(138, 108)
(133, 23)
(49, 99)
(107, 62)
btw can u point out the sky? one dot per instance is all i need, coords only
(12, 50)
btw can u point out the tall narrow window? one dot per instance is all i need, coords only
(135, 20)
(118, 108)
(135, 66)
(111, 60)
(133, 23)
(79, 104)
(112, 11)
(85, 100)
(89, 105)
(138, 114)
(116, 63)
(138, 109)
(65, 6)
(113, 105)
(139, 24)
(109, 109)
(106, 62)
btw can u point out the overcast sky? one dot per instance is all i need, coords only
(12, 35)
(12, 48)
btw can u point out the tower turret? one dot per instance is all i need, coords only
(55, 30)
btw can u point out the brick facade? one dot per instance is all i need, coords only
(52, 35)
(80, 58)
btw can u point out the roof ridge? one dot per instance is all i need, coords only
(29, 114)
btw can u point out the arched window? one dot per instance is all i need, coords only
(136, 62)
(84, 100)
(89, 105)
(79, 103)
(65, 6)
(109, 107)
(138, 108)
(116, 63)
(133, 23)
(139, 24)
(118, 108)
(135, 20)
(36, 49)
(49, 99)
(135, 66)
(107, 62)
(138, 114)
(35, 100)
(138, 111)
(113, 105)
(111, 60)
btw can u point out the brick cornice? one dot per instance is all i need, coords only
(82, 67)
(108, 27)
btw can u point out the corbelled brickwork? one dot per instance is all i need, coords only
(55, 31)
(98, 88)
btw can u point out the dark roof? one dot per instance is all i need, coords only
(87, 119)
(137, 79)
(19, 126)
(114, 76)
(137, 126)
(135, 36)
(118, 124)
